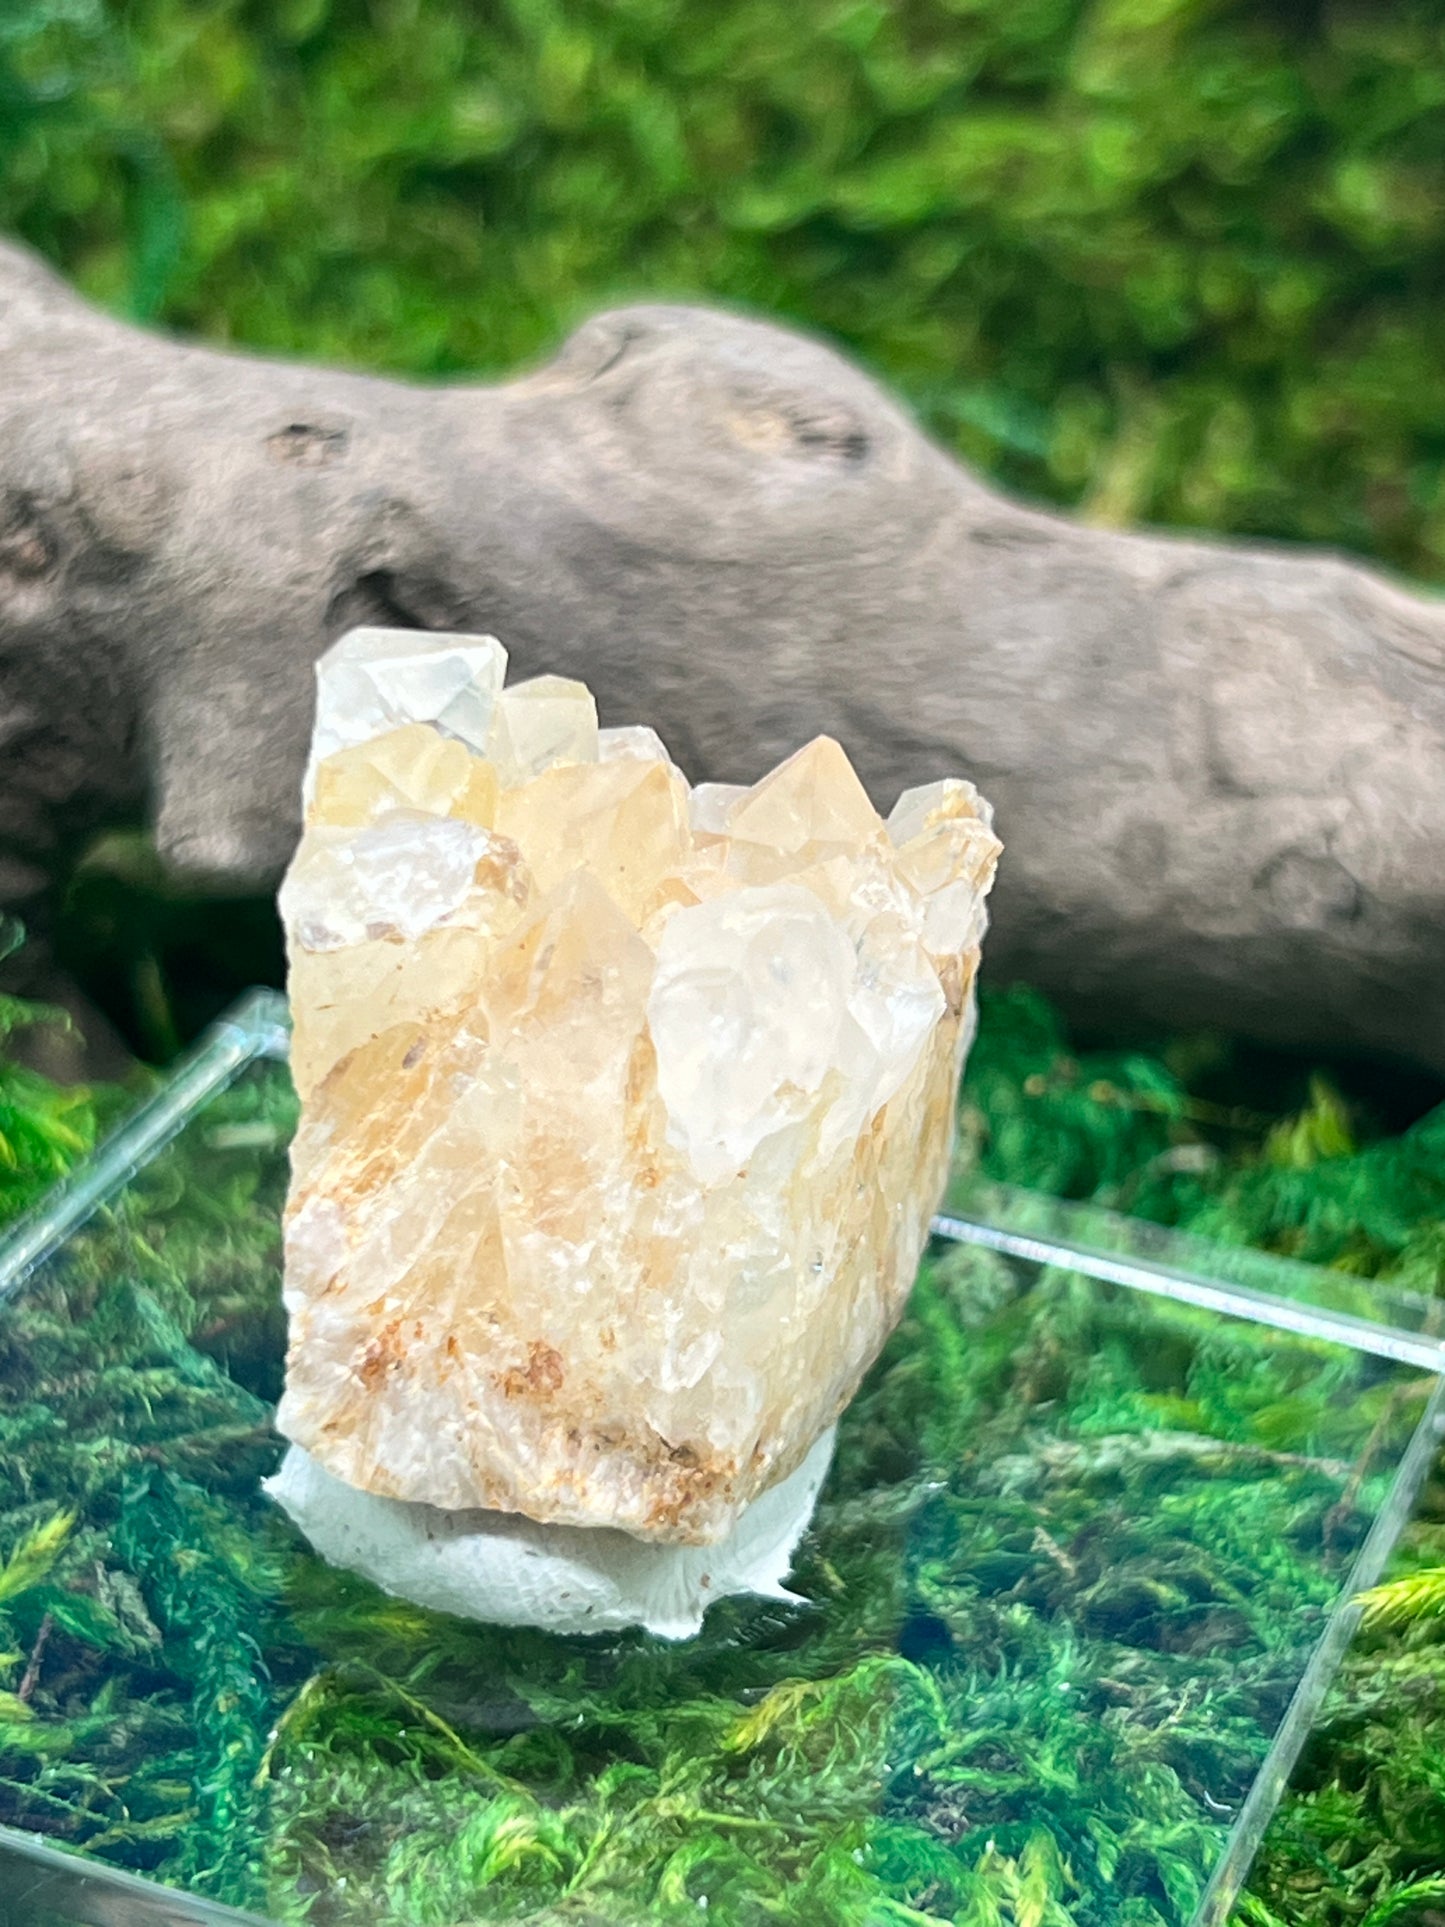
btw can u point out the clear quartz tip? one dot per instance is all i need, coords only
(372, 681)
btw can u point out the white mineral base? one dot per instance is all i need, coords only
(511, 1571)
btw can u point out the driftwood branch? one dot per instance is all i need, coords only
(1219, 771)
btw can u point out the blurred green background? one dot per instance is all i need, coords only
(1174, 261)
(1166, 260)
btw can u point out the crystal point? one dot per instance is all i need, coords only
(814, 797)
(376, 680)
(631, 741)
(549, 720)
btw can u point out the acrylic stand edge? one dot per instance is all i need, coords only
(1269, 1783)
(1188, 1285)
(254, 1027)
(69, 1888)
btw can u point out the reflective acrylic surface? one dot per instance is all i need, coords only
(1076, 1583)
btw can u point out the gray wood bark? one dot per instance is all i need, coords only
(1219, 770)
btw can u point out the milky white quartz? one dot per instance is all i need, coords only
(502, 1567)
(625, 1109)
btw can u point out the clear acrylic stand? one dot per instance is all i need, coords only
(1146, 1287)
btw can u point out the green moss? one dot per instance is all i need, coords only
(1175, 1136)
(1072, 1552)
(44, 1127)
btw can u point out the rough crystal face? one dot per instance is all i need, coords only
(625, 1106)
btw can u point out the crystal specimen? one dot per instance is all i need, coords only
(625, 1106)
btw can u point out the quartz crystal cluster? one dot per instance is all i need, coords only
(625, 1104)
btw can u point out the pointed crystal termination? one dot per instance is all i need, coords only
(375, 680)
(537, 724)
(625, 1107)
